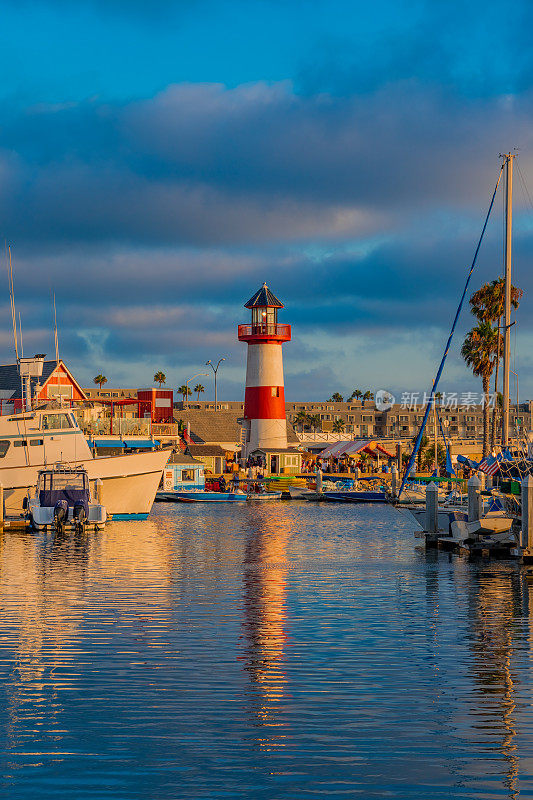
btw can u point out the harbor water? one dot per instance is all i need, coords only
(275, 651)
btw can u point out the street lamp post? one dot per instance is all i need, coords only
(200, 375)
(215, 370)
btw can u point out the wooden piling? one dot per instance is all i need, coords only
(432, 508)
(394, 481)
(98, 490)
(475, 501)
(526, 532)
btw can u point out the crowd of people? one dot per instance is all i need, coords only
(346, 465)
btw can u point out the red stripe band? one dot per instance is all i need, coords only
(264, 402)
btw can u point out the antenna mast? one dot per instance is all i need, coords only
(12, 298)
(56, 340)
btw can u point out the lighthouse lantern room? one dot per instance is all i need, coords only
(264, 421)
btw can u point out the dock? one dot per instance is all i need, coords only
(493, 536)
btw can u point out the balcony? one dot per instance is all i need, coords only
(264, 332)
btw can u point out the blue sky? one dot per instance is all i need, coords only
(159, 160)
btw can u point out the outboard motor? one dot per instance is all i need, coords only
(79, 517)
(60, 515)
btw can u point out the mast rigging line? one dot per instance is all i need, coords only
(431, 401)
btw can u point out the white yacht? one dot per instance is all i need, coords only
(32, 440)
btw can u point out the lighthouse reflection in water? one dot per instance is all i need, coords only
(265, 612)
(284, 650)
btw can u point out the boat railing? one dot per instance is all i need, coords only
(165, 429)
(117, 426)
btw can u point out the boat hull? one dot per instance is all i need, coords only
(356, 497)
(200, 497)
(254, 498)
(129, 482)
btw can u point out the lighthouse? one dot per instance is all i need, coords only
(264, 423)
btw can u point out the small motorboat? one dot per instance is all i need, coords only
(347, 492)
(183, 481)
(353, 496)
(300, 492)
(257, 492)
(63, 499)
(254, 498)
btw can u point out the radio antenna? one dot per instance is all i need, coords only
(20, 334)
(56, 340)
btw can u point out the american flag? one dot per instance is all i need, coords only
(490, 465)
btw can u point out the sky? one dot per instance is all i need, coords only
(160, 160)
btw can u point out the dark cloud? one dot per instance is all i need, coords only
(154, 221)
(205, 165)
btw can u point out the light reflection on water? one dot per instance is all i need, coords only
(285, 650)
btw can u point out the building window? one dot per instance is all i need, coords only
(59, 390)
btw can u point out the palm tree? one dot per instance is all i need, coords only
(199, 388)
(428, 459)
(367, 396)
(479, 350)
(336, 398)
(338, 425)
(302, 419)
(488, 305)
(160, 378)
(419, 456)
(184, 391)
(315, 421)
(357, 393)
(100, 380)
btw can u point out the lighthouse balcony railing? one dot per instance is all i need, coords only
(265, 329)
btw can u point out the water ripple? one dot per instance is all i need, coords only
(281, 652)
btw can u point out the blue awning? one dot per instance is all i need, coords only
(144, 443)
(105, 442)
(468, 462)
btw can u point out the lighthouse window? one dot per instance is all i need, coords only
(275, 391)
(4, 447)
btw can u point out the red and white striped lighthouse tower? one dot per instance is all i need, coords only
(264, 401)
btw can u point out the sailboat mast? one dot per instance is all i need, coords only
(507, 325)
(435, 433)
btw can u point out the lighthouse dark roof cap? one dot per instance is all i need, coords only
(264, 297)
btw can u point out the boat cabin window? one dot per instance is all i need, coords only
(60, 481)
(4, 447)
(55, 422)
(36, 442)
(20, 443)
